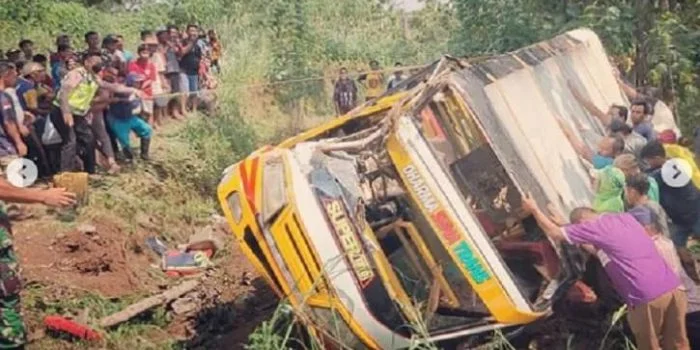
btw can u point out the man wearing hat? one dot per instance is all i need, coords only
(32, 76)
(27, 93)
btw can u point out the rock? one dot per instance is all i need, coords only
(245, 279)
(183, 306)
(87, 229)
(60, 236)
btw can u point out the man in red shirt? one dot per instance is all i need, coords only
(143, 66)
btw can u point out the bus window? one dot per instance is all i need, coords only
(426, 281)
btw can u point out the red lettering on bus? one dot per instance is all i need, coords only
(445, 225)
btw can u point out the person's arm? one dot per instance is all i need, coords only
(11, 126)
(629, 91)
(578, 145)
(550, 228)
(69, 83)
(589, 106)
(184, 50)
(117, 88)
(101, 100)
(52, 196)
(16, 136)
(31, 99)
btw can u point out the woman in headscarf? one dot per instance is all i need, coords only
(609, 186)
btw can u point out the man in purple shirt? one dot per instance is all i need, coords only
(639, 274)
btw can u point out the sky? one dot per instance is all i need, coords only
(408, 5)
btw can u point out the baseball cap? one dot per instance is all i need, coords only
(133, 78)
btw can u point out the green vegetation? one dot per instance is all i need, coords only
(267, 42)
(654, 42)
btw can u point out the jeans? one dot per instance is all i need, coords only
(123, 126)
(193, 82)
(78, 135)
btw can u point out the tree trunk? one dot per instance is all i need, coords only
(645, 21)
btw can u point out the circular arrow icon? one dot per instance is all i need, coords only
(676, 172)
(22, 172)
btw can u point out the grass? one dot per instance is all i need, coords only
(172, 195)
(131, 335)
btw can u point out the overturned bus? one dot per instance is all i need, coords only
(401, 219)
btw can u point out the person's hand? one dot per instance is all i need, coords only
(58, 197)
(23, 130)
(22, 149)
(555, 215)
(528, 204)
(68, 119)
(29, 117)
(589, 248)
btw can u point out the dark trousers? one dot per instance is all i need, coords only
(692, 325)
(35, 152)
(80, 135)
(53, 153)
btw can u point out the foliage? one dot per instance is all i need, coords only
(661, 38)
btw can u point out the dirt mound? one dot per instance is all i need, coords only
(89, 254)
(92, 259)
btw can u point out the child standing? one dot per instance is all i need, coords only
(124, 118)
(215, 51)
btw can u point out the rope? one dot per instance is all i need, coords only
(293, 81)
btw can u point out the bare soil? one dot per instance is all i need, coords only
(69, 263)
(95, 262)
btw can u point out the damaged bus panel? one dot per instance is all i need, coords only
(403, 217)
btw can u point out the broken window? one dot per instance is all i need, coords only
(441, 294)
(466, 154)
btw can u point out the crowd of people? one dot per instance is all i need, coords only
(640, 221)
(75, 110)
